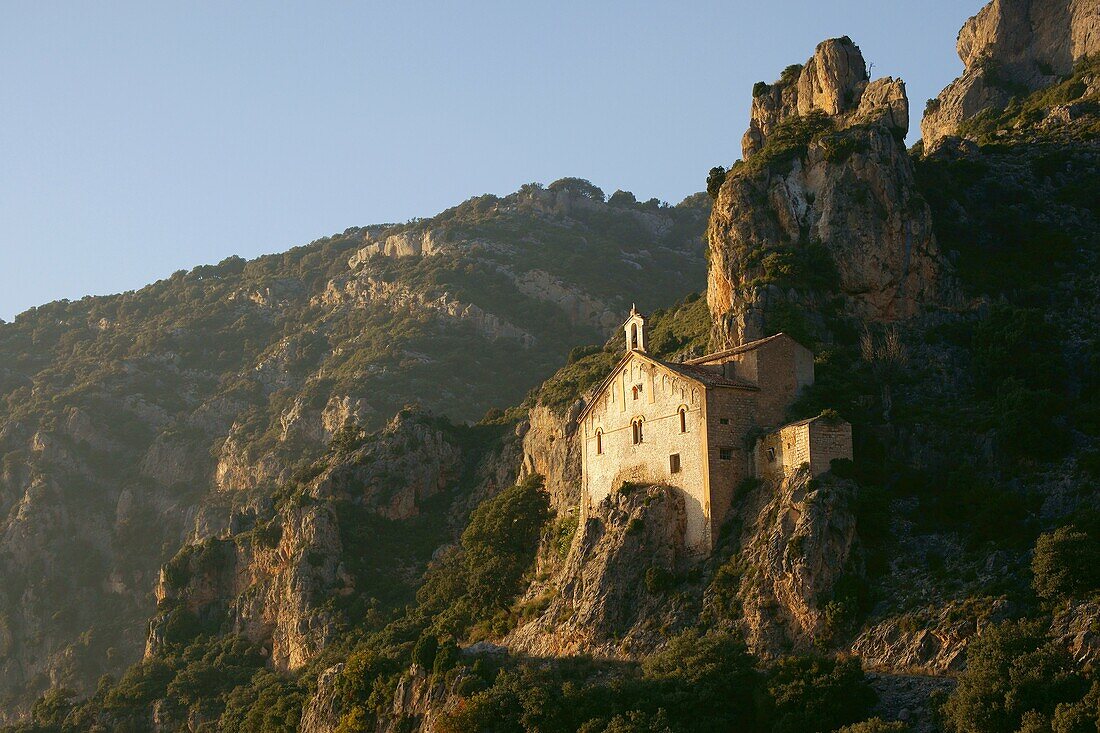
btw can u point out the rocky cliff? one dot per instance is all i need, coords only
(1010, 49)
(798, 539)
(823, 212)
(608, 598)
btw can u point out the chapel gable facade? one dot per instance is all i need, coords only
(686, 425)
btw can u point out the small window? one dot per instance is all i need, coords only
(636, 389)
(636, 431)
(674, 463)
(771, 455)
(599, 442)
(725, 454)
(723, 421)
(683, 420)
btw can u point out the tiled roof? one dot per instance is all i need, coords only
(735, 350)
(706, 376)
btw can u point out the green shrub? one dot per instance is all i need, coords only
(578, 186)
(1066, 564)
(500, 542)
(658, 580)
(1012, 670)
(424, 652)
(715, 178)
(816, 694)
(790, 139)
(579, 352)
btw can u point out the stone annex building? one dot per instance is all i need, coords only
(689, 425)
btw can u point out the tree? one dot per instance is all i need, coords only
(715, 179)
(888, 361)
(816, 694)
(622, 198)
(697, 670)
(501, 540)
(1066, 564)
(1012, 671)
(49, 711)
(579, 186)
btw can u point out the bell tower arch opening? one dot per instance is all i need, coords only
(635, 331)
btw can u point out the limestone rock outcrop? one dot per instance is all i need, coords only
(607, 600)
(1077, 626)
(798, 538)
(825, 171)
(321, 713)
(1012, 47)
(833, 82)
(396, 469)
(932, 641)
(551, 448)
(266, 583)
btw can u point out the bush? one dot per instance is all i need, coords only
(817, 694)
(696, 670)
(790, 139)
(658, 580)
(577, 186)
(579, 352)
(715, 179)
(1012, 670)
(501, 540)
(622, 198)
(1066, 564)
(425, 651)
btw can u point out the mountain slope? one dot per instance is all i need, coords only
(131, 423)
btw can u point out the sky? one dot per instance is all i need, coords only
(140, 138)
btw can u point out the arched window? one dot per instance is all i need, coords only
(599, 442)
(683, 420)
(634, 390)
(636, 431)
(634, 335)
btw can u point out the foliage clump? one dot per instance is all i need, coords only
(1017, 679)
(789, 140)
(1066, 562)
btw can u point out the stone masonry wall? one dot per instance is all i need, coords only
(829, 440)
(737, 407)
(814, 442)
(661, 395)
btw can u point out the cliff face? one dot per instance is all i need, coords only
(798, 539)
(284, 571)
(1011, 48)
(823, 212)
(608, 598)
(265, 585)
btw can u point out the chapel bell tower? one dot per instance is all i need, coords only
(635, 330)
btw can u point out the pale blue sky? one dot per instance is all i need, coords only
(138, 138)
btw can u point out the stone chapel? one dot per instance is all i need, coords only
(689, 425)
